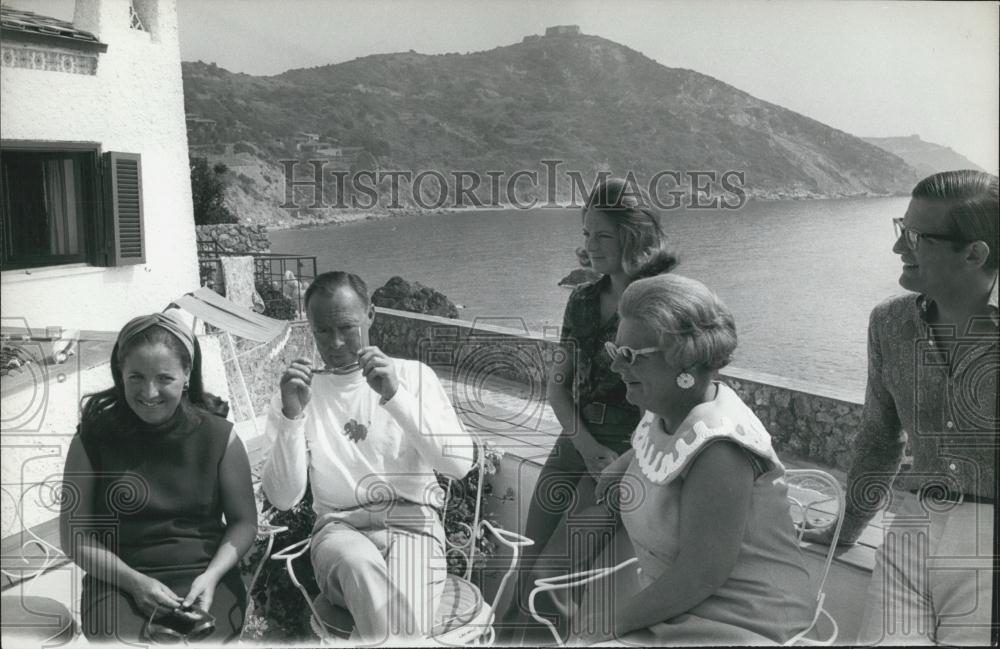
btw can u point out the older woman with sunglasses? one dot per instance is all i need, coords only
(622, 240)
(707, 513)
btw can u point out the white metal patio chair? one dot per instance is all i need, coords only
(31, 618)
(463, 617)
(817, 502)
(269, 532)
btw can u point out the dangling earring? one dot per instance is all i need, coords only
(685, 381)
(185, 388)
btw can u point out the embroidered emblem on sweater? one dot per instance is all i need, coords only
(355, 431)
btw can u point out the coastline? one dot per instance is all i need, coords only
(348, 216)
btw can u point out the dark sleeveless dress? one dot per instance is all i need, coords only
(158, 507)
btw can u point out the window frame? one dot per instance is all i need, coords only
(92, 204)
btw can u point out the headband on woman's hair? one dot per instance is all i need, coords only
(136, 326)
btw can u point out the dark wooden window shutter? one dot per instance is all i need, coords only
(124, 229)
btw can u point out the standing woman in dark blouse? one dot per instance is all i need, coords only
(148, 479)
(623, 240)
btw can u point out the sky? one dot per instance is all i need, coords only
(868, 68)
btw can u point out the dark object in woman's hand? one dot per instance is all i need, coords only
(181, 623)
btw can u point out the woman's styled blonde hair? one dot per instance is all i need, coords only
(691, 322)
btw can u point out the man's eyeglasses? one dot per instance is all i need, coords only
(626, 353)
(913, 237)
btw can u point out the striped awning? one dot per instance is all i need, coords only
(228, 316)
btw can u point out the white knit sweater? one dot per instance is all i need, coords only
(357, 451)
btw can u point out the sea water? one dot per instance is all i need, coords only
(800, 276)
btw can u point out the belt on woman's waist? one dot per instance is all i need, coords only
(597, 412)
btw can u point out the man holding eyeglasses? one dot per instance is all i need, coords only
(933, 362)
(366, 435)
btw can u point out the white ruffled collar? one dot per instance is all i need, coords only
(661, 457)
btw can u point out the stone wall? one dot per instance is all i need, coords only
(471, 351)
(806, 421)
(234, 237)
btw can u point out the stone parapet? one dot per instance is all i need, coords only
(236, 238)
(807, 421)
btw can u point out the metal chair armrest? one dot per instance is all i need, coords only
(799, 639)
(288, 555)
(513, 541)
(837, 495)
(265, 530)
(571, 580)
(293, 551)
(828, 641)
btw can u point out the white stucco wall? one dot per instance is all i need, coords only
(134, 104)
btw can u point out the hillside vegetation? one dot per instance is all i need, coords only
(584, 100)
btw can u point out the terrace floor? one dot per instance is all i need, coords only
(508, 416)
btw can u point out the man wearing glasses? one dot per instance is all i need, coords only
(933, 362)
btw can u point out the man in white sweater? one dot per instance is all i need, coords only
(367, 432)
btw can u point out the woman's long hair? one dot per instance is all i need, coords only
(644, 244)
(112, 400)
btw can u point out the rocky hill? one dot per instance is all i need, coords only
(590, 102)
(926, 157)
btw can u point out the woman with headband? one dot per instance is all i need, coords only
(158, 505)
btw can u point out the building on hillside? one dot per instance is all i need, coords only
(199, 128)
(96, 194)
(327, 150)
(562, 30)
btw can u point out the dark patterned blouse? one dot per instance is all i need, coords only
(600, 392)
